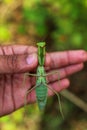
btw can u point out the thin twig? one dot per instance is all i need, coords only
(74, 99)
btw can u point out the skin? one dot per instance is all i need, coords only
(18, 59)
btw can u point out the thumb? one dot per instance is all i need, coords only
(18, 63)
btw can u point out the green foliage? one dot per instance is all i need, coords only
(4, 33)
(21, 29)
(36, 16)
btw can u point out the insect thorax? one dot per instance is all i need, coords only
(41, 71)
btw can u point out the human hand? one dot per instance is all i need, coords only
(16, 60)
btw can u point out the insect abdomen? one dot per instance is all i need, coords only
(41, 94)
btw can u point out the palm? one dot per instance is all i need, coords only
(12, 92)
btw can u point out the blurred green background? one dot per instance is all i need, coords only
(63, 25)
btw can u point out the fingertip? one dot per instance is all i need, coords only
(31, 59)
(84, 55)
(66, 83)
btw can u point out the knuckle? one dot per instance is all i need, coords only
(12, 63)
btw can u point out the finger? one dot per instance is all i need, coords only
(64, 72)
(60, 59)
(58, 86)
(18, 63)
(17, 49)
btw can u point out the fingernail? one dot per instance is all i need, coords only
(85, 56)
(31, 59)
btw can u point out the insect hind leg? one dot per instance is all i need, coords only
(27, 92)
(57, 94)
(58, 97)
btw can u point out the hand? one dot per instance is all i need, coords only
(16, 60)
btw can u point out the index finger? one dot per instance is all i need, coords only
(65, 58)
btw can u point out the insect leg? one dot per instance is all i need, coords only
(27, 92)
(58, 97)
(26, 75)
(50, 73)
(54, 72)
(32, 74)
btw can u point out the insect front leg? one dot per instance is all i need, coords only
(26, 75)
(53, 72)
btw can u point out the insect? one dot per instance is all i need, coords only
(42, 86)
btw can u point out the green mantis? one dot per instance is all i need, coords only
(42, 86)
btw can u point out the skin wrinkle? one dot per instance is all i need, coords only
(12, 97)
(8, 93)
(12, 93)
(3, 50)
(51, 66)
(2, 85)
(9, 61)
(69, 61)
(12, 50)
(68, 57)
(47, 61)
(12, 62)
(3, 96)
(65, 59)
